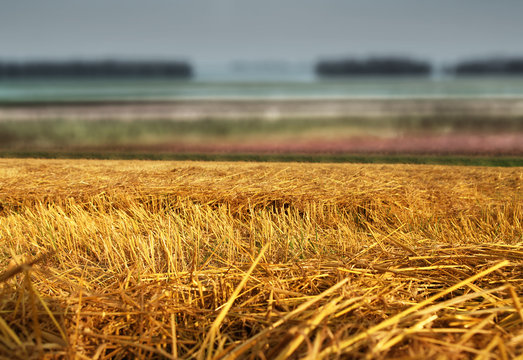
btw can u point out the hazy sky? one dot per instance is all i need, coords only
(224, 30)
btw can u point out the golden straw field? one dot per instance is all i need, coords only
(153, 260)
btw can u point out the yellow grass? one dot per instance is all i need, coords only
(116, 259)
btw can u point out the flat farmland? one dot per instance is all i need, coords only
(193, 128)
(216, 260)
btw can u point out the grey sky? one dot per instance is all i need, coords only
(224, 30)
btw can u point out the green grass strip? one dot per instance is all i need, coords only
(502, 161)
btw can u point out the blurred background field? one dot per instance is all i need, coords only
(254, 113)
(207, 80)
(315, 127)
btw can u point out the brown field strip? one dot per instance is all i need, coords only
(143, 259)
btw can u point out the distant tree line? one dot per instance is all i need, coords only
(373, 66)
(395, 66)
(95, 69)
(493, 66)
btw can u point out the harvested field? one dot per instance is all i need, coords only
(137, 259)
